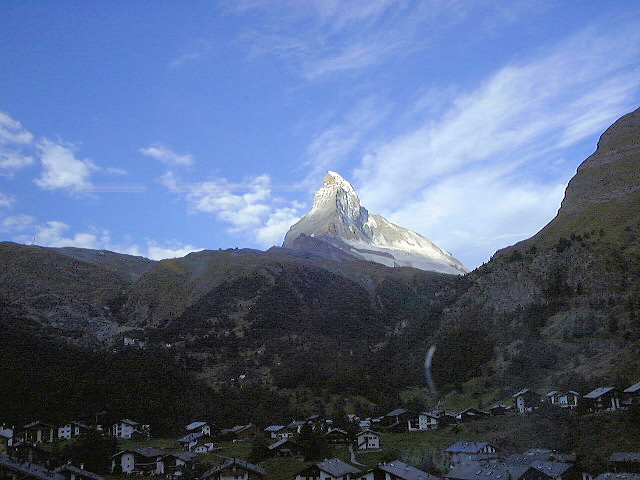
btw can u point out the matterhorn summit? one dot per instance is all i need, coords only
(337, 218)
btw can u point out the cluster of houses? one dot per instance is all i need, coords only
(22, 459)
(602, 399)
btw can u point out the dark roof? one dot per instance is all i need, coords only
(625, 457)
(404, 471)
(79, 471)
(336, 467)
(467, 447)
(551, 469)
(234, 461)
(396, 412)
(29, 469)
(618, 476)
(633, 388)
(598, 392)
(487, 471)
(184, 456)
(143, 451)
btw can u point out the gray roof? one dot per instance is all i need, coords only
(541, 454)
(128, 421)
(487, 471)
(618, 476)
(79, 471)
(551, 469)
(633, 388)
(234, 461)
(598, 392)
(336, 467)
(521, 392)
(28, 469)
(274, 428)
(194, 425)
(406, 472)
(148, 452)
(36, 423)
(467, 447)
(396, 412)
(625, 457)
(190, 437)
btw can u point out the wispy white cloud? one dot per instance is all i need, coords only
(167, 155)
(508, 132)
(59, 234)
(61, 169)
(6, 200)
(13, 138)
(12, 131)
(248, 208)
(17, 223)
(333, 147)
(11, 160)
(327, 37)
(156, 251)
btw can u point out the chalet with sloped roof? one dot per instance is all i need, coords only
(140, 461)
(199, 427)
(236, 469)
(526, 401)
(331, 469)
(368, 440)
(38, 432)
(459, 452)
(565, 399)
(71, 430)
(285, 448)
(179, 465)
(603, 399)
(396, 470)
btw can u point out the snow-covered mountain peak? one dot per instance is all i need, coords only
(337, 193)
(338, 218)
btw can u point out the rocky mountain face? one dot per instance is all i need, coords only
(567, 299)
(337, 218)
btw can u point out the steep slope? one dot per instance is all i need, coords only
(66, 295)
(338, 218)
(567, 299)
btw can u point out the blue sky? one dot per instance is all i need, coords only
(161, 127)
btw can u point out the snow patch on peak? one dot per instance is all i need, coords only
(338, 218)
